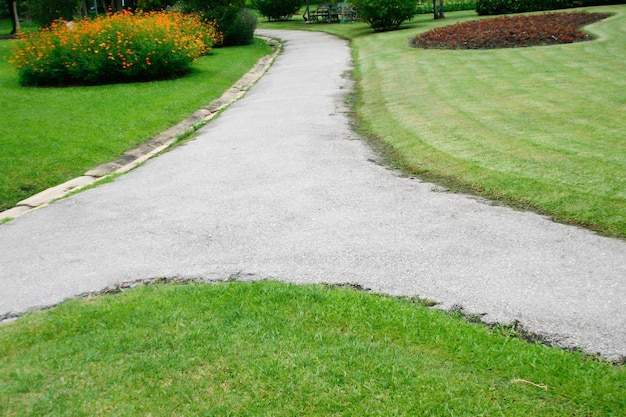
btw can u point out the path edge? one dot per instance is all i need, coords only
(152, 147)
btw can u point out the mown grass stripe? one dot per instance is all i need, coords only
(539, 127)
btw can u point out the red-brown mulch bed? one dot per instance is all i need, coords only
(510, 32)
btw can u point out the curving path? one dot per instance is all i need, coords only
(279, 187)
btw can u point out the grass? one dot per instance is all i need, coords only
(50, 135)
(539, 128)
(271, 349)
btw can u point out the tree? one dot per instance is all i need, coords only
(438, 9)
(15, 21)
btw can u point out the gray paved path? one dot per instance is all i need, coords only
(279, 187)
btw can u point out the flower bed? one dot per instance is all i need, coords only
(510, 32)
(114, 48)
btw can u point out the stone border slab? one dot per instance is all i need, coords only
(132, 158)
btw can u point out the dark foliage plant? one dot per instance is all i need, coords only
(277, 9)
(241, 31)
(153, 5)
(224, 12)
(23, 10)
(510, 32)
(44, 12)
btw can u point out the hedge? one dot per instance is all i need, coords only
(494, 7)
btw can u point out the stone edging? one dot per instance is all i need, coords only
(130, 159)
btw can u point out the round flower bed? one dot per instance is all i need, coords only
(114, 48)
(510, 32)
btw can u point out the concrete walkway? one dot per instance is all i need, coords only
(279, 187)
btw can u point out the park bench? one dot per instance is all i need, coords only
(332, 12)
(321, 14)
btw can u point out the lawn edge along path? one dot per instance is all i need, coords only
(136, 156)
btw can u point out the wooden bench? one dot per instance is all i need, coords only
(332, 12)
(321, 14)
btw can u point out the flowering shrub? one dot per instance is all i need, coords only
(113, 48)
(509, 32)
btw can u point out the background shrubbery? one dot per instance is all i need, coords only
(425, 7)
(113, 48)
(236, 23)
(153, 5)
(44, 12)
(493, 7)
(241, 29)
(277, 9)
(227, 14)
(22, 9)
(385, 14)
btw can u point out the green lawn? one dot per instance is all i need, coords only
(540, 128)
(50, 135)
(271, 349)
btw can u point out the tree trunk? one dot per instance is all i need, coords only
(83, 11)
(438, 9)
(15, 20)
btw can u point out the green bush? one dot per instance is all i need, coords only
(494, 7)
(241, 32)
(277, 9)
(44, 12)
(224, 12)
(112, 48)
(384, 15)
